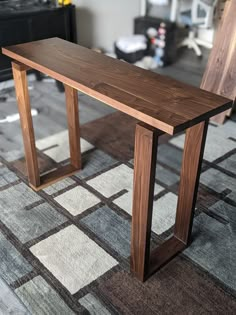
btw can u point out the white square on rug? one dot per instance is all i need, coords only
(164, 210)
(125, 201)
(77, 200)
(73, 258)
(57, 146)
(214, 148)
(113, 181)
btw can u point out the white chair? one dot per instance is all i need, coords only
(200, 16)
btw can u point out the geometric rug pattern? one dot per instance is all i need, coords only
(65, 249)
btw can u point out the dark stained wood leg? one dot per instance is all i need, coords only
(143, 262)
(22, 95)
(144, 176)
(73, 125)
(36, 181)
(189, 180)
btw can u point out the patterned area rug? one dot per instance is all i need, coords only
(65, 249)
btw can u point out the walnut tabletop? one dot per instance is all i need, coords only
(157, 100)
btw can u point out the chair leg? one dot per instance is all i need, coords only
(203, 43)
(191, 43)
(196, 48)
(143, 262)
(22, 95)
(73, 125)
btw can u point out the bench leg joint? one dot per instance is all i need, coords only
(144, 262)
(36, 181)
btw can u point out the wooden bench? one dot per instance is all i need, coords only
(162, 105)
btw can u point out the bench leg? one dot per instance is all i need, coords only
(73, 125)
(22, 95)
(36, 181)
(189, 180)
(144, 176)
(143, 262)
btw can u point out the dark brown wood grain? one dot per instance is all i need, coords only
(73, 125)
(54, 176)
(23, 100)
(144, 178)
(220, 74)
(189, 180)
(157, 100)
(36, 181)
(143, 262)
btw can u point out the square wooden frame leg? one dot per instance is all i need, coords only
(36, 181)
(143, 262)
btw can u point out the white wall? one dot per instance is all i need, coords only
(101, 22)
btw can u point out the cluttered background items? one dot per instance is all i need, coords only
(152, 45)
(153, 42)
(18, 5)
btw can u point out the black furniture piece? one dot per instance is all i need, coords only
(33, 22)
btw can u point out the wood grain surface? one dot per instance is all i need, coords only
(143, 262)
(144, 178)
(220, 74)
(189, 180)
(36, 181)
(161, 102)
(73, 126)
(23, 101)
